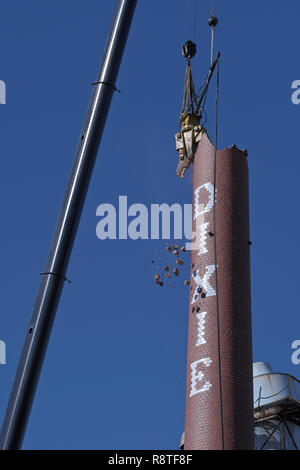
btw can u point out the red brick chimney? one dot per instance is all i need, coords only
(219, 403)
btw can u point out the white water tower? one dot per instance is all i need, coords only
(276, 409)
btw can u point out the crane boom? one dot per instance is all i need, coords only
(54, 275)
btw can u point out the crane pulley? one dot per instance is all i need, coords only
(192, 110)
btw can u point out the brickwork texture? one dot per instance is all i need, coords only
(219, 401)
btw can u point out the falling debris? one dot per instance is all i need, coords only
(166, 269)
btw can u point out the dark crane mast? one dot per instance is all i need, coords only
(54, 276)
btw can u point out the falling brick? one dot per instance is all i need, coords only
(179, 261)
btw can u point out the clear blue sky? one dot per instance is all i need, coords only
(114, 374)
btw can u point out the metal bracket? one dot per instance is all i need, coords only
(186, 144)
(108, 84)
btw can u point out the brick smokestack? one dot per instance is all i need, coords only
(219, 403)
